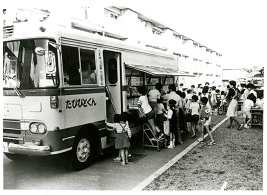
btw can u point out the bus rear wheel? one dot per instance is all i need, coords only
(15, 157)
(83, 152)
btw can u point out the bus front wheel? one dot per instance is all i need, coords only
(83, 151)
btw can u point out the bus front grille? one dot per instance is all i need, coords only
(12, 132)
(15, 140)
(12, 124)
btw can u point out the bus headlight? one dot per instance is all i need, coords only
(38, 128)
(41, 128)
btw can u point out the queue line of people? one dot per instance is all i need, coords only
(179, 114)
(176, 112)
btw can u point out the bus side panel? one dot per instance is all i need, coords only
(82, 109)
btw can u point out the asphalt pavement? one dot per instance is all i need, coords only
(118, 177)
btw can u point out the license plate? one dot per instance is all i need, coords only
(5, 148)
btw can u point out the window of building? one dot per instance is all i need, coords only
(156, 32)
(111, 14)
(178, 37)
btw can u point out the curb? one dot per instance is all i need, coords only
(157, 173)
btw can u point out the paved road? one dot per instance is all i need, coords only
(51, 173)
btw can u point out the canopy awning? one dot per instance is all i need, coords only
(159, 71)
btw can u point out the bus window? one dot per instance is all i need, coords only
(88, 66)
(112, 71)
(71, 66)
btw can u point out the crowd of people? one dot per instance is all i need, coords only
(170, 114)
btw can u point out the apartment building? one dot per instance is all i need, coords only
(129, 25)
(190, 55)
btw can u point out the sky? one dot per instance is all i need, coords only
(234, 28)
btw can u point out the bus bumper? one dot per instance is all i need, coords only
(28, 148)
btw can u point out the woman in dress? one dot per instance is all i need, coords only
(232, 108)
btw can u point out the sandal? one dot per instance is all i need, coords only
(118, 159)
(193, 136)
(122, 163)
(240, 127)
(211, 143)
(200, 140)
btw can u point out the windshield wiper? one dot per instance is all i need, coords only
(15, 84)
(18, 92)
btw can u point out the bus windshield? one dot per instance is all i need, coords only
(29, 64)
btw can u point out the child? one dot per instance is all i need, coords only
(182, 111)
(146, 108)
(205, 120)
(123, 136)
(218, 97)
(172, 116)
(248, 103)
(160, 115)
(213, 98)
(223, 100)
(260, 101)
(188, 114)
(194, 109)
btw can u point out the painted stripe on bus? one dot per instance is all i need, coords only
(56, 92)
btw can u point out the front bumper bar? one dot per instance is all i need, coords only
(28, 148)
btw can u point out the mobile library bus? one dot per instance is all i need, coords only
(61, 83)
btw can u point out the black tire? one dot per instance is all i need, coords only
(15, 157)
(83, 151)
(220, 110)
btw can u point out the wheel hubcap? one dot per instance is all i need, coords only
(83, 150)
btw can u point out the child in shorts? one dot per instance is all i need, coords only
(194, 107)
(248, 103)
(160, 118)
(172, 116)
(205, 120)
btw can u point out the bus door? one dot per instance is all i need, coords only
(113, 80)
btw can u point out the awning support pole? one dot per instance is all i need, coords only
(164, 80)
(129, 82)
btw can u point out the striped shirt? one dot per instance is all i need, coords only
(121, 127)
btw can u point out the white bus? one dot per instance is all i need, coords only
(60, 84)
